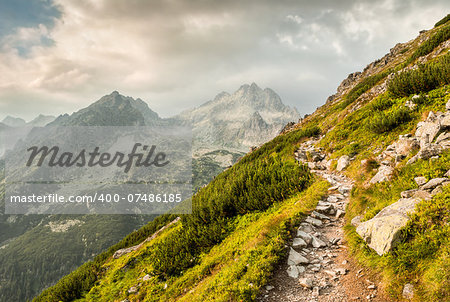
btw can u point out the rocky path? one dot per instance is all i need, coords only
(318, 267)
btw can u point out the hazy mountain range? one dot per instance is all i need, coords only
(223, 129)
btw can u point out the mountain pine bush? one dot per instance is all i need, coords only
(425, 78)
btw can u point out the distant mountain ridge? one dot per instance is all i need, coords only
(111, 110)
(248, 117)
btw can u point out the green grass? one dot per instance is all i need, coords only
(443, 21)
(262, 178)
(422, 256)
(234, 270)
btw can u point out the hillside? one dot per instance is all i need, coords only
(61, 243)
(373, 163)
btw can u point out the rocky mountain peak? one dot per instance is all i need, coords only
(13, 121)
(112, 109)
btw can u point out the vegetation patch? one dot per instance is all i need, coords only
(423, 79)
(422, 257)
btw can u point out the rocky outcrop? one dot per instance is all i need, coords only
(431, 138)
(382, 232)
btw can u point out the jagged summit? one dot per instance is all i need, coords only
(111, 110)
(224, 120)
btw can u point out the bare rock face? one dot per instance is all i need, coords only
(384, 174)
(343, 162)
(382, 232)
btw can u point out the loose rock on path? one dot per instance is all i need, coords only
(318, 267)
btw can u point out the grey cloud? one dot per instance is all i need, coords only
(177, 54)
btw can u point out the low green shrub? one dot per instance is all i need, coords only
(442, 21)
(440, 36)
(383, 122)
(362, 87)
(425, 78)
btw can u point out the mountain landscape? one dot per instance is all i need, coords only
(61, 243)
(351, 203)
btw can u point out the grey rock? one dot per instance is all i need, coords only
(339, 214)
(319, 216)
(437, 190)
(427, 131)
(331, 273)
(433, 183)
(443, 139)
(343, 162)
(420, 180)
(269, 287)
(293, 271)
(429, 150)
(296, 258)
(146, 278)
(316, 291)
(408, 291)
(445, 122)
(341, 271)
(313, 221)
(408, 193)
(344, 189)
(447, 174)
(306, 227)
(413, 159)
(447, 106)
(299, 242)
(384, 174)
(305, 236)
(317, 243)
(404, 145)
(382, 232)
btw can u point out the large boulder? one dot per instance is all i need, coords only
(382, 232)
(343, 162)
(429, 150)
(405, 145)
(443, 139)
(427, 130)
(384, 174)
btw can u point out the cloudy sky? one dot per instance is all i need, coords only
(58, 56)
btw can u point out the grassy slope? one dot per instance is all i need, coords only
(423, 256)
(261, 180)
(235, 267)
